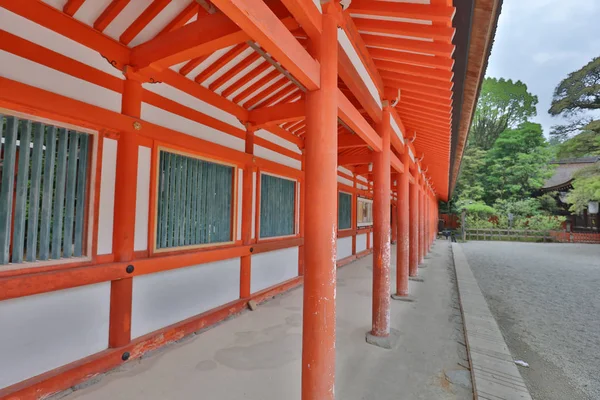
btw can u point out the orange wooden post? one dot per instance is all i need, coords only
(426, 220)
(394, 222)
(380, 331)
(124, 215)
(247, 184)
(402, 250)
(421, 221)
(413, 239)
(318, 328)
(353, 215)
(302, 218)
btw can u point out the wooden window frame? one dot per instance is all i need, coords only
(296, 233)
(351, 205)
(363, 225)
(154, 187)
(91, 204)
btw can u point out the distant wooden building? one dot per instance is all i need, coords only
(561, 183)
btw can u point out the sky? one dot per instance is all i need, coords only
(541, 41)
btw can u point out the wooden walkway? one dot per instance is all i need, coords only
(494, 374)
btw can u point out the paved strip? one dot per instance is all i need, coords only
(494, 374)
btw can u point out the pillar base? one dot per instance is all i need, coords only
(405, 297)
(422, 265)
(384, 342)
(416, 279)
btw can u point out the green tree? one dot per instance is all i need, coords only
(586, 188)
(469, 186)
(517, 163)
(502, 104)
(574, 97)
(584, 144)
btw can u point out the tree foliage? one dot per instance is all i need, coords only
(586, 188)
(574, 97)
(517, 164)
(502, 104)
(578, 92)
(584, 144)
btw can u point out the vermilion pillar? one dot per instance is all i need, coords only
(426, 220)
(394, 222)
(413, 241)
(124, 215)
(381, 238)
(247, 184)
(402, 249)
(421, 221)
(318, 328)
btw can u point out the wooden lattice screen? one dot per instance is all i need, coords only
(43, 191)
(194, 201)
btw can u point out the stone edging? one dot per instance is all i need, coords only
(493, 372)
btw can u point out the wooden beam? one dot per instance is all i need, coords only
(282, 133)
(350, 140)
(109, 14)
(143, 20)
(396, 163)
(407, 94)
(440, 93)
(182, 18)
(406, 45)
(430, 73)
(55, 20)
(266, 28)
(412, 59)
(309, 18)
(352, 117)
(437, 33)
(416, 80)
(71, 6)
(355, 159)
(277, 114)
(424, 12)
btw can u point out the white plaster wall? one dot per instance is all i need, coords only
(271, 155)
(344, 247)
(273, 267)
(164, 298)
(371, 238)
(345, 181)
(361, 242)
(142, 199)
(45, 331)
(37, 75)
(194, 103)
(277, 140)
(49, 39)
(107, 196)
(239, 204)
(177, 123)
(352, 54)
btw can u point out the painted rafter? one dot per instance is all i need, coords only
(355, 121)
(221, 62)
(412, 59)
(277, 114)
(264, 26)
(143, 20)
(408, 45)
(416, 80)
(441, 93)
(437, 33)
(109, 14)
(423, 12)
(430, 73)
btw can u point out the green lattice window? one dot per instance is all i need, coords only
(43, 191)
(277, 206)
(344, 210)
(195, 199)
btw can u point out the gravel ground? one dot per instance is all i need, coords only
(546, 300)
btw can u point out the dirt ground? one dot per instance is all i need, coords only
(546, 301)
